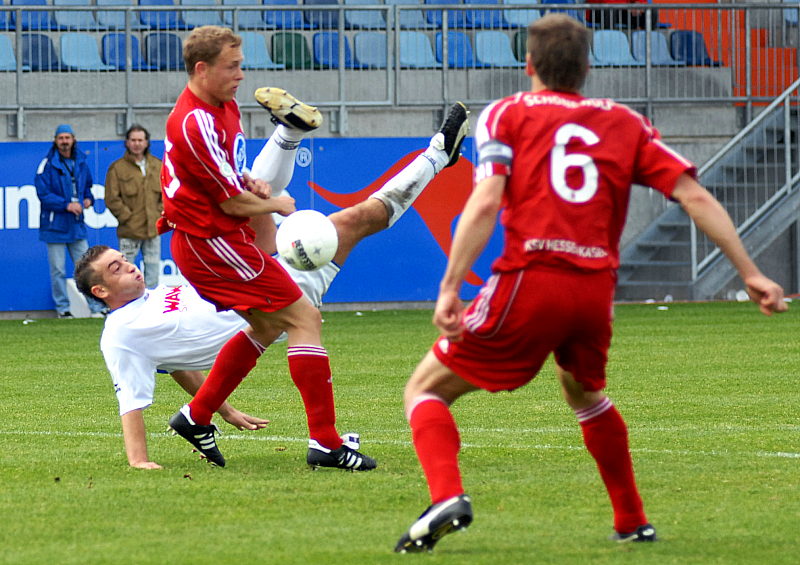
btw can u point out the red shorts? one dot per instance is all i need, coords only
(232, 273)
(519, 318)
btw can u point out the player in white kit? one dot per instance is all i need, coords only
(173, 330)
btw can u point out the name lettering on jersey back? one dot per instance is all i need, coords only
(565, 246)
(172, 300)
(551, 100)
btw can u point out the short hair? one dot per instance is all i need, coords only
(205, 43)
(86, 276)
(141, 128)
(559, 49)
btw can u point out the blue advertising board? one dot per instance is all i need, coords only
(403, 263)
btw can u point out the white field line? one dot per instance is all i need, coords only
(470, 445)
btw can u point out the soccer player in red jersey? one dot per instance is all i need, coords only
(558, 168)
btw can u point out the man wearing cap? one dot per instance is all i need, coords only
(64, 187)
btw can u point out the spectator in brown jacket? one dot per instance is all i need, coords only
(133, 194)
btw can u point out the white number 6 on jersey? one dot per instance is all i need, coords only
(560, 161)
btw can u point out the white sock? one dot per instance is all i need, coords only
(400, 191)
(275, 163)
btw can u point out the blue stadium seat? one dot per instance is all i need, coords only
(369, 49)
(790, 15)
(611, 49)
(493, 49)
(455, 18)
(416, 51)
(659, 50)
(74, 20)
(159, 20)
(164, 51)
(410, 19)
(284, 19)
(321, 19)
(520, 18)
(325, 46)
(191, 19)
(114, 49)
(79, 53)
(38, 53)
(108, 19)
(690, 46)
(460, 54)
(256, 56)
(364, 19)
(484, 19)
(249, 19)
(8, 59)
(33, 21)
(579, 15)
(7, 21)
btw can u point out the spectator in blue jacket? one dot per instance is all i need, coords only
(64, 187)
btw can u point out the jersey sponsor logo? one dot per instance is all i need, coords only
(565, 246)
(239, 153)
(172, 300)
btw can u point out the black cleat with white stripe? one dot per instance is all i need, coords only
(640, 534)
(201, 437)
(437, 521)
(347, 457)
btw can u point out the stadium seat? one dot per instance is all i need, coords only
(459, 50)
(325, 45)
(369, 49)
(8, 59)
(611, 48)
(520, 18)
(579, 15)
(659, 50)
(416, 51)
(79, 53)
(113, 48)
(74, 20)
(291, 50)
(410, 19)
(164, 51)
(7, 21)
(321, 19)
(108, 19)
(493, 49)
(247, 19)
(790, 15)
(33, 21)
(191, 19)
(484, 19)
(284, 19)
(159, 20)
(690, 46)
(456, 19)
(256, 56)
(38, 52)
(364, 19)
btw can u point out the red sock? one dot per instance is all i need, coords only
(311, 373)
(606, 437)
(437, 442)
(236, 358)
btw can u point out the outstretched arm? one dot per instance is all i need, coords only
(714, 221)
(133, 432)
(190, 381)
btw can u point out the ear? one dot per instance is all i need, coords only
(99, 291)
(529, 70)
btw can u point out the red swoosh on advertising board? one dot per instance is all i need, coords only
(438, 205)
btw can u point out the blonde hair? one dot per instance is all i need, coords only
(205, 43)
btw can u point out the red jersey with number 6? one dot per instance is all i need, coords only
(203, 163)
(570, 163)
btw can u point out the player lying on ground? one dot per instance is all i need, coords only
(171, 329)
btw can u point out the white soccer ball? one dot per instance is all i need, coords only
(307, 240)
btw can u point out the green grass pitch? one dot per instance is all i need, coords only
(709, 391)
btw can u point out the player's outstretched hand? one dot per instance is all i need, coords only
(447, 315)
(766, 293)
(284, 205)
(146, 465)
(242, 421)
(259, 187)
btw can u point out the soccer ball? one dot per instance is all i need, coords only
(307, 240)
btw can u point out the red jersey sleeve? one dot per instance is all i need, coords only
(494, 141)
